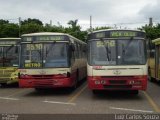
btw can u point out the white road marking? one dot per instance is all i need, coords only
(55, 102)
(7, 98)
(131, 110)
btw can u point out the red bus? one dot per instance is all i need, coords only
(117, 60)
(51, 60)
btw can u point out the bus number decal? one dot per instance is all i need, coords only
(105, 43)
(32, 65)
(34, 46)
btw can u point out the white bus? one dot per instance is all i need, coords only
(154, 60)
(117, 60)
(50, 60)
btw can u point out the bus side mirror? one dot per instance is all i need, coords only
(84, 49)
(72, 47)
(16, 49)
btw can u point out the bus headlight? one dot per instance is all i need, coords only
(103, 82)
(133, 82)
(97, 82)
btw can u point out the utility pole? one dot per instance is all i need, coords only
(115, 26)
(150, 25)
(150, 22)
(19, 19)
(90, 23)
(50, 22)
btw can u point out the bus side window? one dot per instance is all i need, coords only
(75, 49)
(83, 51)
(159, 53)
(80, 51)
(16, 49)
(72, 53)
(152, 53)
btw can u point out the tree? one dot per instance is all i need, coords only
(34, 21)
(54, 28)
(151, 32)
(8, 29)
(73, 24)
(2, 22)
(31, 25)
(75, 30)
(31, 28)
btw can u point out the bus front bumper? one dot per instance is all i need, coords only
(46, 83)
(8, 80)
(117, 83)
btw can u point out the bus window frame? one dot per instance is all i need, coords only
(44, 42)
(116, 39)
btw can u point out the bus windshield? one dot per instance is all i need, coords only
(117, 52)
(9, 56)
(37, 55)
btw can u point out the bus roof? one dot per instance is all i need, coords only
(116, 30)
(156, 41)
(43, 33)
(2, 39)
(50, 34)
(116, 33)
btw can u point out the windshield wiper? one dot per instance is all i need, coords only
(50, 48)
(2, 59)
(9, 49)
(107, 50)
(11, 55)
(39, 51)
(124, 49)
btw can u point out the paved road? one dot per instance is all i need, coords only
(63, 101)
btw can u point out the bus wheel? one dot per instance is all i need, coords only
(74, 86)
(3, 84)
(135, 92)
(39, 89)
(150, 79)
(78, 75)
(95, 92)
(77, 79)
(149, 75)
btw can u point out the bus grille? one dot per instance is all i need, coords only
(117, 86)
(42, 76)
(6, 73)
(47, 83)
(117, 81)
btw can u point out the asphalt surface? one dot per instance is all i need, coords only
(16, 100)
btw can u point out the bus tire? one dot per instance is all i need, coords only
(150, 79)
(77, 79)
(39, 89)
(3, 84)
(78, 75)
(95, 92)
(135, 92)
(149, 75)
(73, 87)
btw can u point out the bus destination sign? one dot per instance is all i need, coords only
(7, 42)
(123, 34)
(116, 34)
(44, 38)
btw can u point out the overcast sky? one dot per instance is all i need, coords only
(132, 13)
